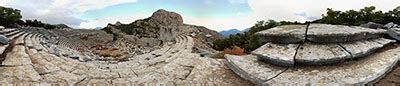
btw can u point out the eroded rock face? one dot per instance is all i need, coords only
(166, 18)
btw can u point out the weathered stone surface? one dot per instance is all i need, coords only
(249, 68)
(17, 56)
(20, 39)
(320, 54)
(24, 73)
(61, 77)
(3, 40)
(384, 41)
(284, 34)
(365, 47)
(394, 33)
(323, 33)
(318, 33)
(3, 48)
(372, 25)
(278, 54)
(164, 17)
(390, 25)
(360, 72)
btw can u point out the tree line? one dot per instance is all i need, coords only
(249, 42)
(10, 17)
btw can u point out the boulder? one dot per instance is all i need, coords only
(372, 25)
(3, 40)
(394, 33)
(390, 25)
(1, 27)
(167, 18)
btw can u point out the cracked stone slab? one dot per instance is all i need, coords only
(357, 73)
(364, 47)
(249, 68)
(323, 33)
(320, 54)
(320, 33)
(284, 34)
(278, 54)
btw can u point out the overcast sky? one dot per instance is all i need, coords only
(214, 14)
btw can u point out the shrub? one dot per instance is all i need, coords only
(218, 55)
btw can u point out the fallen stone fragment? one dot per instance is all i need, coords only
(278, 54)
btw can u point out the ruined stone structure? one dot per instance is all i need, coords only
(317, 54)
(36, 56)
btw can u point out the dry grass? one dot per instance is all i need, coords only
(235, 51)
(110, 52)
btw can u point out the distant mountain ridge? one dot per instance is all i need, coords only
(227, 33)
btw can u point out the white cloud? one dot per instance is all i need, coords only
(67, 11)
(287, 9)
(102, 22)
(219, 24)
(59, 11)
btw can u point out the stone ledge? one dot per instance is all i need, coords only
(359, 72)
(278, 54)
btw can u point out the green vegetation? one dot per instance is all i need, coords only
(9, 17)
(12, 18)
(362, 16)
(250, 42)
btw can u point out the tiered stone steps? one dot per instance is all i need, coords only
(33, 61)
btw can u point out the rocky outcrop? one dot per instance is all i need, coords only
(163, 26)
(165, 18)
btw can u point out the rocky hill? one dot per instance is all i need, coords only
(162, 27)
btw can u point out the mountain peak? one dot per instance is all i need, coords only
(167, 18)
